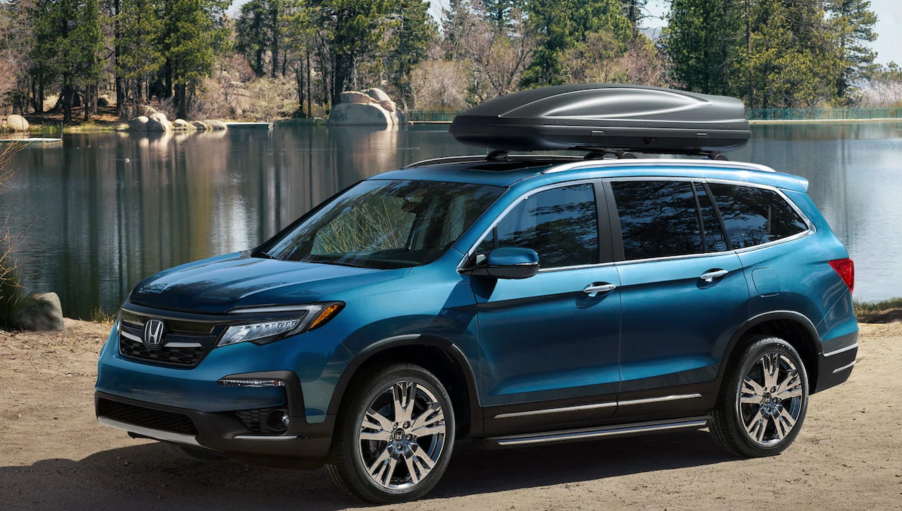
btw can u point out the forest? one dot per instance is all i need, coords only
(293, 58)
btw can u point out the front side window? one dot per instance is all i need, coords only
(658, 219)
(754, 216)
(560, 224)
(387, 224)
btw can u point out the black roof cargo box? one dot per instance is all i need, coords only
(606, 117)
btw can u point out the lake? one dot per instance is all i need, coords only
(105, 210)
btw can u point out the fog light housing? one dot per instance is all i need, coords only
(278, 420)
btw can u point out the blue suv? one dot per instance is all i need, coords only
(512, 300)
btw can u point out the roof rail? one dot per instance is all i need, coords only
(494, 158)
(682, 162)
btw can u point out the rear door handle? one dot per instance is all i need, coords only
(713, 274)
(594, 289)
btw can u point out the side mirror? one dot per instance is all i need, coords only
(512, 263)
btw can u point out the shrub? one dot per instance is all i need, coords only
(12, 297)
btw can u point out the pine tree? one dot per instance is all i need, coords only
(194, 34)
(253, 34)
(350, 28)
(792, 63)
(853, 23)
(413, 30)
(561, 25)
(704, 40)
(68, 45)
(139, 57)
(498, 12)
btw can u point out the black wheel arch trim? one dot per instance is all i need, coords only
(475, 425)
(796, 317)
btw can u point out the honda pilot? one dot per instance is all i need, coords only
(517, 301)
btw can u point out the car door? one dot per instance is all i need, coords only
(550, 341)
(683, 294)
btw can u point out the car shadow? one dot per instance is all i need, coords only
(152, 476)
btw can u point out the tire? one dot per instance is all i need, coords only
(751, 419)
(189, 453)
(401, 444)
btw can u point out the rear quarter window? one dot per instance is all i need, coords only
(755, 216)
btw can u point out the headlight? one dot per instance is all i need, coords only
(263, 332)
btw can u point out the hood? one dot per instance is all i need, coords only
(222, 283)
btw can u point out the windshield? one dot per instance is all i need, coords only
(386, 224)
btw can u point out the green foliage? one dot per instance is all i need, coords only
(563, 24)
(190, 40)
(68, 45)
(705, 40)
(351, 28)
(852, 23)
(412, 31)
(772, 53)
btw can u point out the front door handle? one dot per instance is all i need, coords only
(713, 274)
(594, 289)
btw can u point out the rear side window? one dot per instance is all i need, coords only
(560, 224)
(658, 219)
(714, 238)
(754, 216)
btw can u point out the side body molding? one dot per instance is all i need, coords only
(449, 348)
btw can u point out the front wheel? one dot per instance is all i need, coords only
(764, 400)
(394, 437)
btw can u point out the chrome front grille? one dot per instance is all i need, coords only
(175, 349)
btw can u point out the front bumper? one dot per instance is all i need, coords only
(302, 445)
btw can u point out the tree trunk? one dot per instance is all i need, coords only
(117, 34)
(299, 83)
(87, 105)
(181, 101)
(309, 96)
(66, 100)
(340, 72)
(167, 82)
(35, 103)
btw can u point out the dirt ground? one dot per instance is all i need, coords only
(54, 456)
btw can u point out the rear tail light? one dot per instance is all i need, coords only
(846, 270)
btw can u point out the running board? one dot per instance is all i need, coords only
(575, 435)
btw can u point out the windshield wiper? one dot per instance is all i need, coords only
(327, 260)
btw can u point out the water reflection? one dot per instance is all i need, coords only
(106, 210)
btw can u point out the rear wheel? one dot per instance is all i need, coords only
(394, 438)
(764, 400)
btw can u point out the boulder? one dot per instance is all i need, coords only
(138, 123)
(377, 94)
(149, 110)
(43, 311)
(358, 114)
(158, 122)
(216, 125)
(17, 123)
(199, 126)
(103, 101)
(355, 97)
(181, 124)
(388, 105)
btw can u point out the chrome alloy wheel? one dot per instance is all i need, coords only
(401, 436)
(770, 399)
